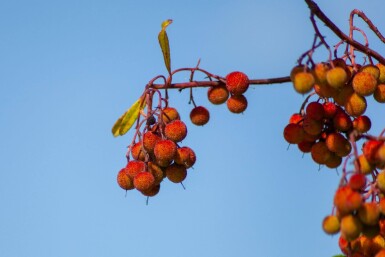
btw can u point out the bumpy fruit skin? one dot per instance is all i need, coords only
(337, 77)
(330, 109)
(157, 172)
(165, 150)
(124, 181)
(199, 116)
(331, 225)
(338, 144)
(320, 71)
(237, 103)
(185, 156)
(303, 82)
(218, 95)
(320, 153)
(153, 191)
(138, 152)
(355, 105)
(381, 78)
(169, 114)
(364, 83)
(370, 150)
(379, 93)
(144, 181)
(134, 168)
(293, 133)
(176, 173)
(342, 121)
(372, 69)
(237, 82)
(176, 130)
(149, 140)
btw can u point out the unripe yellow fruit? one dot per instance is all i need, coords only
(355, 105)
(351, 227)
(369, 213)
(320, 71)
(372, 69)
(379, 93)
(303, 82)
(337, 77)
(331, 225)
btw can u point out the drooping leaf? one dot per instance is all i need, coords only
(164, 44)
(339, 255)
(125, 122)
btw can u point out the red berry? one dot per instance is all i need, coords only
(237, 82)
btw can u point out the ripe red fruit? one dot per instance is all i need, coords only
(176, 173)
(315, 111)
(218, 95)
(169, 114)
(342, 121)
(144, 181)
(149, 140)
(296, 118)
(293, 133)
(237, 83)
(199, 116)
(237, 103)
(135, 167)
(185, 156)
(152, 191)
(124, 181)
(370, 150)
(165, 150)
(330, 109)
(137, 152)
(175, 130)
(362, 124)
(357, 181)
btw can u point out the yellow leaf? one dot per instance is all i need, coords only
(125, 122)
(164, 45)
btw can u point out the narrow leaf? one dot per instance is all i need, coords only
(164, 44)
(116, 127)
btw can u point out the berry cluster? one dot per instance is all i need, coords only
(329, 128)
(155, 150)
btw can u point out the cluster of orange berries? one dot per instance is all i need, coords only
(328, 129)
(157, 154)
(359, 204)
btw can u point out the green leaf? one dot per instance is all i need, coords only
(125, 122)
(339, 255)
(164, 45)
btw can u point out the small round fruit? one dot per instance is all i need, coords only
(338, 144)
(175, 130)
(169, 114)
(237, 82)
(319, 71)
(334, 161)
(369, 213)
(357, 181)
(293, 133)
(362, 124)
(237, 103)
(153, 191)
(199, 116)
(351, 227)
(218, 95)
(134, 168)
(331, 225)
(156, 171)
(176, 173)
(370, 150)
(347, 200)
(312, 127)
(138, 152)
(381, 67)
(124, 181)
(330, 109)
(315, 111)
(165, 150)
(379, 93)
(337, 77)
(185, 156)
(320, 153)
(296, 118)
(149, 140)
(355, 105)
(364, 166)
(303, 82)
(364, 83)
(144, 181)
(342, 121)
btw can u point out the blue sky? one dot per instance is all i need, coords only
(69, 69)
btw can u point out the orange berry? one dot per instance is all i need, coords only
(364, 83)
(369, 213)
(296, 118)
(293, 133)
(237, 82)
(364, 166)
(218, 95)
(237, 103)
(342, 121)
(154, 190)
(143, 181)
(156, 171)
(176, 173)
(134, 168)
(362, 124)
(315, 111)
(347, 200)
(324, 90)
(370, 150)
(124, 181)
(137, 152)
(169, 114)
(381, 67)
(199, 116)
(149, 140)
(331, 225)
(338, 144)
(176, 130)
(185, 156)
(165, 151)
(355, 105)
(330, 109)
(295, 70)
(319, 71)
(379, 93)
(371, 69)
(351, 227)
